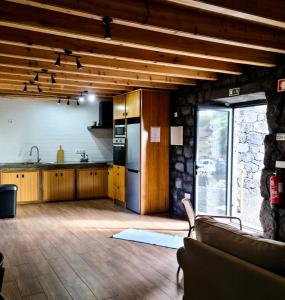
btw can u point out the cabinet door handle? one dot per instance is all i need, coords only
(118, 174)
(126, 113)
(55, 174)
(95, 173)
(91, 173)
(17, 176)
(108, 173)
(123, 114)
(23, 175)
(61, 174)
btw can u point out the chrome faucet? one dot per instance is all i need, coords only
(84, 157)
(38, 153)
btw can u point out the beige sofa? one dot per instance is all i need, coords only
(226, 263)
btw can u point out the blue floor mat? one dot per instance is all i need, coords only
(153, 238)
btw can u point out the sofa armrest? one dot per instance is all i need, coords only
(210, 273)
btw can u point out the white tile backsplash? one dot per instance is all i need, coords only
(44, 123)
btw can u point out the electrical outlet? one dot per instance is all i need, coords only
(280, 164)
(186, 195)
(79, 151)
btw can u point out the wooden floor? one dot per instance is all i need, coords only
(63, 250)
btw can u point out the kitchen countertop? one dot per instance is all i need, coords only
(51, 165)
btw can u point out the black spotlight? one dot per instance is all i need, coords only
(78, 64)
(25, 88)
(36, 79)
(39, 89)
(107, 34)
(77, 102)
(57, 62)
(68, 102)
(59, 101)
(53, 81)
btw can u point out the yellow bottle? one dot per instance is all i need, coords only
(60, 155)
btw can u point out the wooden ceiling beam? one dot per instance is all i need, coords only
(259, 11)
(69, 71)
(38, 20)
(59, 83)
(161, 17)
(68, 90)
(37, 40)
(22, 49)
(20, 74)
(44, 56)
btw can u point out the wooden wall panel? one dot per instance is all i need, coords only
(155, 156)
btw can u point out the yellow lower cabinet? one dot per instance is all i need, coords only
(110, 183)
(27, 183)
(119, 180)
(92, 183)
(58, 185)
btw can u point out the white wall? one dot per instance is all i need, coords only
(25, 122)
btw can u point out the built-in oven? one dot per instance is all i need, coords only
(119, 151)
(120, 131)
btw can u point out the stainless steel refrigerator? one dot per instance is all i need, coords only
(133, 167)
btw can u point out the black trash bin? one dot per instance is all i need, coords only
(8, 200)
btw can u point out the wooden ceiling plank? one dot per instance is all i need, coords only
(65, 84)
(101, 63)
(37, 20)
(259, 11)
(81, 81)
(37, 40)
(59, 89)
(68, 70)
(161, 17)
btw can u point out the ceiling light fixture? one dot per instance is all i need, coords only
(107, 33)
(39, 89)
(91, 98)
(81, 98)
(68, 53)
(52, 78)
(25, 88)
(36, 79)
(68, 102)
(58, 62)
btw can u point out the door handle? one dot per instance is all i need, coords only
(23, 175)
(17, 176)
(55, 174)
(91, 173)
(61, 174)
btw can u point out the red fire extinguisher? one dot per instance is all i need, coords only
(276, 190)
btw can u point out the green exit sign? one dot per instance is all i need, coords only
(234, 92)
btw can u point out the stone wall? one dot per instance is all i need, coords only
(184, 101)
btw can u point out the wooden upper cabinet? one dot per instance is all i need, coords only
(119, 107)
(133, 101)
(27, 183)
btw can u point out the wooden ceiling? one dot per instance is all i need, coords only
(155, 44)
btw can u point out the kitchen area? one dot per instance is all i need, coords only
(98, 150)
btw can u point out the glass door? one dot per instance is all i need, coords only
(213, 160)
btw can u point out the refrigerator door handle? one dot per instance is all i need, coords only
(133, 171)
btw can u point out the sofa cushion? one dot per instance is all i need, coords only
(265, 253)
